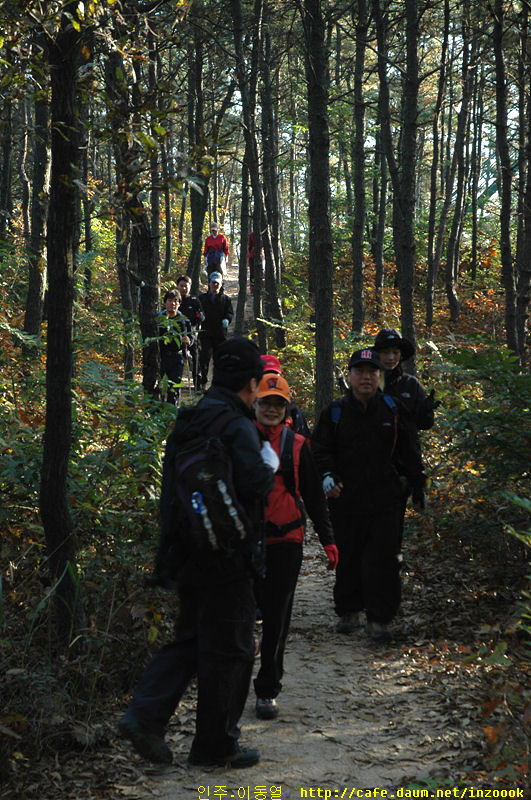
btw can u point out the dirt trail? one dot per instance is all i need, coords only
(351, 715)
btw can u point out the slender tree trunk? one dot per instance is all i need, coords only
(39, 212)
(475, 166)
(358, 161)
(320, 239)
(432, 272)
(379, 208)
(243, 276)
(25, 125)
(54, 505)
(6, 149)
(459, 151)
(523, 253)
(502, 144)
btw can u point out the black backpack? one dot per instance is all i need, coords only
(214, 518)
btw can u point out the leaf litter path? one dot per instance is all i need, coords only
(352, 714)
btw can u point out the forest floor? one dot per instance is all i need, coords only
(444, 706)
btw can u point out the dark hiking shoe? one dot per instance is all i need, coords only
(348, 622)
(151, 746)
(266, 708)
(240, 759)
(379, 632)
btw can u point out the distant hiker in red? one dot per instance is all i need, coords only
(215, 251)
(296, 481)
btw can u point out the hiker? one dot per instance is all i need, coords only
(214, 632)
(294, 416)
(392, 350)
(297, 480)
(191, 308)
(215, 251)
(175, 336)
(366, 446)
(218, 313)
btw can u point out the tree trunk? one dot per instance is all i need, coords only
(320, 238)
(358, 161)
(379, 208)
(523, 253)
(54, 505)
(6, 149)
(243, 277)
(502, 143)
(39, 212)
(432, 273)
(459, 153)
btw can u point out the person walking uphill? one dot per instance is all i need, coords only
(214, 631)
(365, 446)
(296, 481)
(175, 337)
(218, 313)
(215, 251)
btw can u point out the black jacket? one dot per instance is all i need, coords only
(410, 392)
(253, 481)
(215, 308)
(191, 308)
(372, 452)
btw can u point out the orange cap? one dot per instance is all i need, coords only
(272, 384)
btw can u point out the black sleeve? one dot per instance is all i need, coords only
(408, 453)
(311, 489)
(425, 417)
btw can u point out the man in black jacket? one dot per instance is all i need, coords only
(217, 308)
(214, 632)
(366, 447)
(191, 308)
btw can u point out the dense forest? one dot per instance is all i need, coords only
(380, 152)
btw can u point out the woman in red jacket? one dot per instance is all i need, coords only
(297, 481)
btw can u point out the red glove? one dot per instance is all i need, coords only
(333, 555)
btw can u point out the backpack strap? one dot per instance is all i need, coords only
(287, 469)
(335, 411)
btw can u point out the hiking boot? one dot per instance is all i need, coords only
(240, 759)
(148, 744)
(348, 622)
(379, 632)
(266, 708)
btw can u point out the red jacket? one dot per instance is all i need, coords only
(218, 242)
(282, 508)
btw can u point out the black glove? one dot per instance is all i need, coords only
(430, 403)
(418, 497)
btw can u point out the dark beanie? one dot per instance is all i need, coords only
(236, 361)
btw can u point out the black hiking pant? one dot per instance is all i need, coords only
(274, 595)
(213, 641)
(368, 574)
(207, 345)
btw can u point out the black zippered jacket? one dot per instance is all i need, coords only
(373, 452)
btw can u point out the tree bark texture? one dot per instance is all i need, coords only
(40, 187)
(502, 143)
(320, 238)
(54, 506)
(358, 162)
